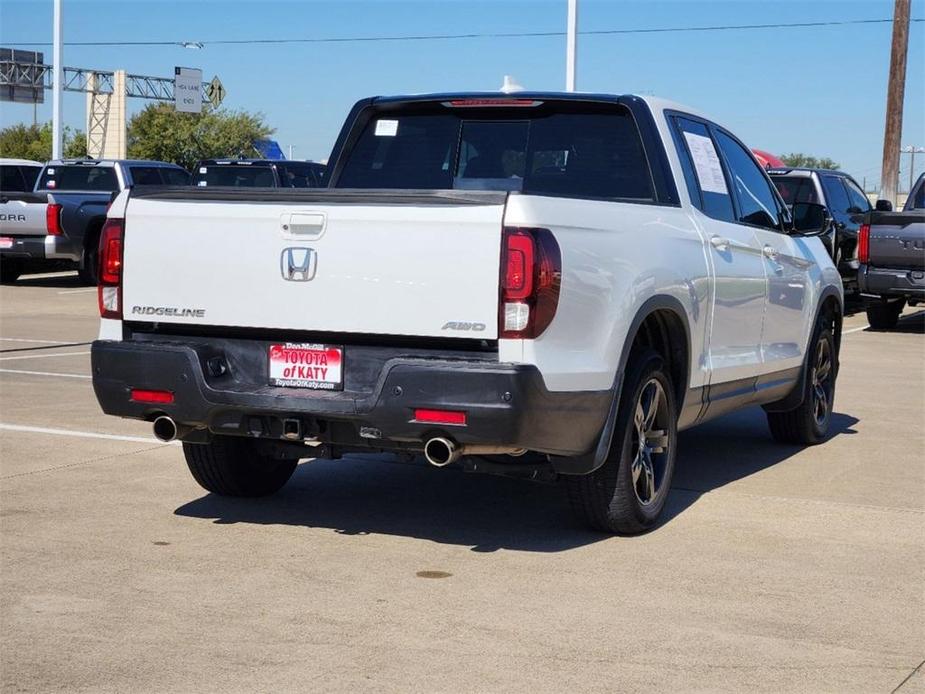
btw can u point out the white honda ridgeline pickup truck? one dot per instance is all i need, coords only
(537, 285)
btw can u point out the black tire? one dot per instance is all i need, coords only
(885, 314)
(808, 424)
(89, 264)
(230, 466)
(10, 270)
(609, 499)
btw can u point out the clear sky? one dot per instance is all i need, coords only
(818, 90)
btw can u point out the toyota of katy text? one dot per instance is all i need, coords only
(544, 285)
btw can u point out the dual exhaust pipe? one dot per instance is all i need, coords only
(441, 452)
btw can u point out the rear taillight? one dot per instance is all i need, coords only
(53, 219)
(864, 243)
(110, 269)
(531, 272)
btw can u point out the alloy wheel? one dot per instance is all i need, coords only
(650, 442)
(822, 381)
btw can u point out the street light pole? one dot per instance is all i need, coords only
(57, 128)
(571, 45)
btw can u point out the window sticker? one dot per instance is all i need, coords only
(386, 128)
(706, 163)
(202, 184)
(202, 169)
(51, 172)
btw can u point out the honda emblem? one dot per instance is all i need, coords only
(298, 264)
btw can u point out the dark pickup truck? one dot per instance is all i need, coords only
(891, 251)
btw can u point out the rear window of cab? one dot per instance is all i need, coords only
(79, 178)
(589, 151)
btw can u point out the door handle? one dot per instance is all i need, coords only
(770, 253)
(720, 243)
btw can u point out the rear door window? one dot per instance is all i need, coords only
(174, 177)
(80, 178)
(593, 154)
(706, 184)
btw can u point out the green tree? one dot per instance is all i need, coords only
(160, 132)
(798, 159)
(22, 141)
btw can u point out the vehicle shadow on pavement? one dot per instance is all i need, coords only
(364, 495)
(913, 324)
(729, 449)
(70, 281)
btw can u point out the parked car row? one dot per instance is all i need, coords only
(51, 214)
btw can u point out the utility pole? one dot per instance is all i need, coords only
(57, 127)
(912, 150)
(889, 177)
(571, 45)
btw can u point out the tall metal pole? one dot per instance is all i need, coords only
(57, 127)
(889, 177)
(571, 45)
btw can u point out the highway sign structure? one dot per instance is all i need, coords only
(187, 89)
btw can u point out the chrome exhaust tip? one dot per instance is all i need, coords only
(440, 452)
(165, 429)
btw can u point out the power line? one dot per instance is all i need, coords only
(452, 37)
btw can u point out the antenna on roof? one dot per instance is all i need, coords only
(510, 85)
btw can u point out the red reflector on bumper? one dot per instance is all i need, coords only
(161, 397)
(440, 417)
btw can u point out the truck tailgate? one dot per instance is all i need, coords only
(23, 214)
(897, 240)
(339, 261)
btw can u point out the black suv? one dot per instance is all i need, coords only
(258, 173)
(846, 202)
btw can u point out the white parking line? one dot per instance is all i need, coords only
(44, 356)
(85, 290)
(38, 342)
(83, 434)
(42, 373)
(854, 330)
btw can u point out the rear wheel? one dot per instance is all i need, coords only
(885, 314)
(88, 269)
(808, 424)
(231, 466)
(627, 493)
(10, 270)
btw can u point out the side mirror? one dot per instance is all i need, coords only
(810, 219)
(884, 206)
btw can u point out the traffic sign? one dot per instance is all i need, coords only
(215, 92)
(187, 89)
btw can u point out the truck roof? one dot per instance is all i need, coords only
(805, 170)
(231, 161)
(655, 103)
(110, 162)
(20, 162)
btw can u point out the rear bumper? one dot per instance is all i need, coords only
(889, 282)
(506, 405)
(42, 248)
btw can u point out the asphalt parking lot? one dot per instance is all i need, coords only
(778, 569)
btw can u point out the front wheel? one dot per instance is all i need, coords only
(231, 466)
(808, 424)
(627, 493)
(885, 314)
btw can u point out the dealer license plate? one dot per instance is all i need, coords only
(6, 242)
(299, 365)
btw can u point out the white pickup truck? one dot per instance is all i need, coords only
(542, 284)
